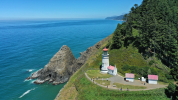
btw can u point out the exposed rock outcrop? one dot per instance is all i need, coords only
(59, 68)
(63, 65)
(88, 53)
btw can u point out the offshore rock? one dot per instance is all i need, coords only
(63, 65)
(59, 68)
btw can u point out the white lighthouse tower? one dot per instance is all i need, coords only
(105, 61)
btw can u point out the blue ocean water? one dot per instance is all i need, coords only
(28, 45)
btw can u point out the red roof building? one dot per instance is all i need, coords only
(129, 75)
(111, 67)
(153, 77)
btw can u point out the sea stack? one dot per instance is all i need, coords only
(59, 68)
(63, 65)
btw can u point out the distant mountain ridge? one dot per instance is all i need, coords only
(115, 17)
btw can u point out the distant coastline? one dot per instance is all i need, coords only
(120, 18)
(115, 19)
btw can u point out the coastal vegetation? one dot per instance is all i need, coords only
(152, 28)
(123, 86)
(97, 74)
(146, 43)
(104, 82)
(79, 87)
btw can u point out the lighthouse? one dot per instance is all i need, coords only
(105, 61)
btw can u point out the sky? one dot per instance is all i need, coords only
(36, 9)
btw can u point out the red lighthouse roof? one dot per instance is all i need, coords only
(105, 49)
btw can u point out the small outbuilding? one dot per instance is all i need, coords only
(112, 70)
(143, 79)
(130, 77)
(152, 79)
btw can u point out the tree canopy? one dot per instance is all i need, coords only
(157, 25)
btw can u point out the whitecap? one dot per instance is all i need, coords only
(30, 70)
(26, 80)
(33, 81)
(26, 92)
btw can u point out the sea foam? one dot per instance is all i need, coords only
(26, 80)
(30, 70)
(26, 92)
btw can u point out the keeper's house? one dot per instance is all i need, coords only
(152, 79)
(130, 77)
(112, 70)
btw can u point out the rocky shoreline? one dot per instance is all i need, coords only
(62, 65)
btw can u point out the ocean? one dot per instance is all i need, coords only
(27, 46)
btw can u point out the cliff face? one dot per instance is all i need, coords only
(59, 68)
(63, 64)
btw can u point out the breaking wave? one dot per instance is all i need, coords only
(26, 92)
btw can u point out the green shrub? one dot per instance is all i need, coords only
(111, 63)
(154, 71)
(151, 62)
(168, 76)
(134, 69)
(125, 67)
(163, 79)
(108, 45)
(100, 63)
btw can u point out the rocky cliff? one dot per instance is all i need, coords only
(59, 69)
(63, 64)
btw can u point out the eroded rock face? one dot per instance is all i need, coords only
(63, 64)
(59, 68)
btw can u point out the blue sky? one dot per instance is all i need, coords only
(31, 9)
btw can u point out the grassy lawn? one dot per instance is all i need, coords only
(118, 85)
(96, 73)
(121, 74)
(104, 82)
(162, 83)
(90, 91)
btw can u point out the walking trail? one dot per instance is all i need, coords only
(119, 79)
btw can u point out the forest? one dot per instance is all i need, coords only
(157, 24)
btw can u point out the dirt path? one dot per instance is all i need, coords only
(119, 79)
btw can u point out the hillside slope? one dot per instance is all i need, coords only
(69, 91)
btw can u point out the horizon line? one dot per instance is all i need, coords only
(44, 18)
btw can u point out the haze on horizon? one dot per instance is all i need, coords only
(63, 9)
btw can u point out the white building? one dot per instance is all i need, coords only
(105, 61)
(130, 77)
(112, 70)
(152, 79)
(143, 79)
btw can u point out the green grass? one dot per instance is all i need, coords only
(118, 85)
(163, 83)
(86, 90)
(96, 73)
(89, 91)
(104, 82)
(122, 56)
(129, 56)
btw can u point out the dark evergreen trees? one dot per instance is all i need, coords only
(157, 23)
(117, 43)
